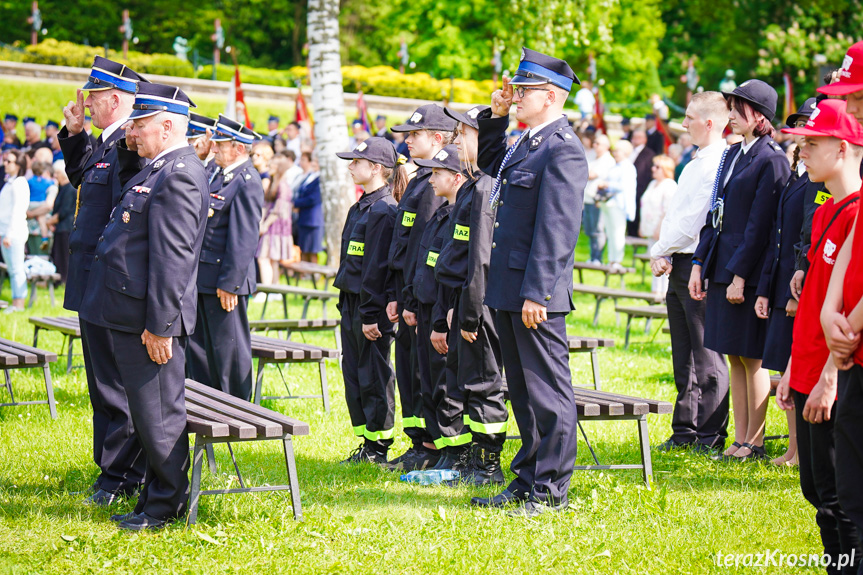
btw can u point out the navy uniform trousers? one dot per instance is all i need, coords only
(540, 389)
(155, 392)
(219, 352)
(368, 374)
(432, 367)
(473, 408)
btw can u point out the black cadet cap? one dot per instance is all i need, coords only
(198, 125)
(376, 150)
(760, 95)
(536, 68)
(803, 112)
(428, 117)
(470, 117)
(154, 98)
(447, 159)
(109, 75)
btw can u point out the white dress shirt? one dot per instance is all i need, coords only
(688, 208)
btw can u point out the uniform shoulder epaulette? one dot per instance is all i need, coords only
(777, 147)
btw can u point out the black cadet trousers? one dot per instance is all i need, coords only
(473, 409)
(116, 449)
(540, 389)
(848, 444)
(157, 406)
(700, 374)
(817, 456)
(219, 352)
(368, 375)
(432, 366)
(407, 375)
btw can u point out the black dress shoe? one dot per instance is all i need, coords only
(142, 522)
(534, 507)
(502, 499)
(124, 517)
(103, 498)
(670, 445)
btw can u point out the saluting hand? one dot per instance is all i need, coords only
(158, 348)
(533, 314)
(202, 145)
(228, 300)
(501, 100)
(131, 141)
(74, 114)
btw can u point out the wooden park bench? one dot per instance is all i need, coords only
(591, 345)
(602, 293)
(314, 271)
(650, 312)
(308, 295)
(607, 269)
(595, 405)
(14, 355)
(216, 417)
(69, 326)
(292, 326)
(33, 281)
(270, 350)
(637, 244)
(644, 260)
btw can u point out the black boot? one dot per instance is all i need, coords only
(454, 458)
(484, 467)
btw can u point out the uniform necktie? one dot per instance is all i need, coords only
(214, 174)
(495, 190)
(99, 140)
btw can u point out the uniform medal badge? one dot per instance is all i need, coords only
(228, 177)
(126, 217)
(248, 177)
(102, 165)
(141, 189)
(158, 164)
(211, 213)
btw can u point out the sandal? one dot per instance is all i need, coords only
(736, 446)
(756, 452)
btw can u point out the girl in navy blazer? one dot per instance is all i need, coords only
(731, 254)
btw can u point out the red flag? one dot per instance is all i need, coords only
(790, 108)
(363, 112)
(240, 100)
(663, 129)
(598, 113)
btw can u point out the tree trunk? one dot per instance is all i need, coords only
(331, 131)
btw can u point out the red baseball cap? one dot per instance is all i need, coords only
(829, 118)
(850, 74)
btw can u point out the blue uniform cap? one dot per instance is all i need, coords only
(51, 123)
(536, 68)
(11, 117)
(109, 75)
(28, 119)
(154, 98)
(273, 119)
(228, 129)
(198, 125)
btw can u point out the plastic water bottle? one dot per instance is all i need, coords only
(430, 476)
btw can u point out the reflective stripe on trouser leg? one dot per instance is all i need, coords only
(377, 385)
(450, 409)
(482, 385)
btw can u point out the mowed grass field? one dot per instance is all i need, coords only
(362, 519)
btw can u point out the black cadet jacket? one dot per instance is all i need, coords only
(539, 214)
(426, 288)
(813, 198)
(779, 261)
(463, 262)
(145, 268)
(738, 246)
(228, 254)
(93, 167)
(364, 267)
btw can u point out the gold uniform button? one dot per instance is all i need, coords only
(493, 245)
(548, 298)
(500, 203)
(504, 181)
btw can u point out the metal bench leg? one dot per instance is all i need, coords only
(195, 491)
(628, 326)
(36, 336)
(325, 394)
(285, 305)
(338, 344)
(644, 438)
(594, 364)
(236, 467)
(69, 354)
(643, 271)
(605, 283)
(264, 311)
(32, 299)
(580, 277)
(211, 459)
(9, 385)
(599, 301)
(292, 479)
(647, 326)
(49, 389)
(587, 442)
(305, 307)
(259, 381)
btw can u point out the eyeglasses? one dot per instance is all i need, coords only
(520, 90)
(801, 123)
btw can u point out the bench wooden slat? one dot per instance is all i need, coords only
(656, 311)
(587, 408)
(654, 405)
(8, 359)
(293, 290)
(237, 428)
(64, 325)
(607, 406)
(631, 406)
(311, 268)
(293, 324)
(293, 426)
(200, 426)
(267, 428)
(23, 356)
(605, 268)
(275, 348)
(600, 291)
(578, 342)
(41, 354)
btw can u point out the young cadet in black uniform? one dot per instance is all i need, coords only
(219, 353)
(432, 307)
(93, 168)
(366, 289)
(472, 415)
(539, 194)
(429, 130)
(142, 291)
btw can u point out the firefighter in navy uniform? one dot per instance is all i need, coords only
(92, 167)
(366, 290)
(201, 129)
(142, 291)
(219, 353)
(429, 129)
(473, 416)
(539, 193)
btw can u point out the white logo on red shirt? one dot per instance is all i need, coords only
(829, 249)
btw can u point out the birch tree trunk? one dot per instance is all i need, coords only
(331, 131)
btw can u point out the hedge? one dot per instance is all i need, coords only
(379, 80)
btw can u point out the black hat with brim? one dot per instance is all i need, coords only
(758, 94)
(428, 117)
(471, 117)
(375, 150)
(447, 159)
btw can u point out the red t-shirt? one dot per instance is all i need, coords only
(852, 288)
(809, 350)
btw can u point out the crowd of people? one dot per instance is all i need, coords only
(464, 266)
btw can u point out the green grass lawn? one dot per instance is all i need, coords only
(361, 519)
